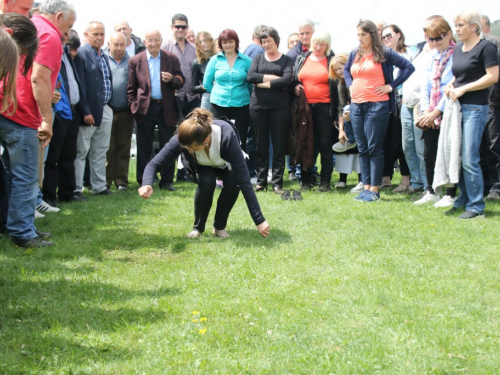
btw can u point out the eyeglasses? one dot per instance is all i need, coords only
(387, 36)
(180, 27)
(437, 38)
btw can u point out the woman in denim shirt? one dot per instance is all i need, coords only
(226, 81)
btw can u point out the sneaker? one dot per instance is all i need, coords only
(428, 198)
(38, 215)
(493, 196)
(45, 207)
(471, 215)
(105, 192)
(358, 188)
(371, 197)
(78, 197)
(412, 191)
(34, 242)
(43, 235)
(452, 211)
(269, 176)
(122, 188)
(253, 180)
(343, 147)
(446, 201)
(341, 185)
(360, 197)
(324, 187)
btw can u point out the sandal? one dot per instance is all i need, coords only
(258, 188)
(221, 233)
(297, 196)
(286, 195)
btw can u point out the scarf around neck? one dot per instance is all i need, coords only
(439, 67)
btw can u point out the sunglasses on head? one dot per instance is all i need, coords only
(387, 36)
(180, 27)
(437, 38)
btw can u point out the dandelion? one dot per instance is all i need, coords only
(195, 321)
(203, 320)
(195, 312)
(202, 331)
(269, 332)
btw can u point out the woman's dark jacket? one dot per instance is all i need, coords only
(198, 72)
(230, 151)
(392, 59)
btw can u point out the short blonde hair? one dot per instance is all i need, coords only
(322, 36)
(472, 17)
(341, 59)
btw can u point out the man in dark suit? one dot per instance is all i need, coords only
(154, 75)
(95, 129)
(59, 172)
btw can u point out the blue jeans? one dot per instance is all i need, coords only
(20, 159)
(349, 133)
(369, 122)
(205, 101)
(413, 148)
(471, 178)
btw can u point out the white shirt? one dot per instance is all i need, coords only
(213, 159)
(131, 49)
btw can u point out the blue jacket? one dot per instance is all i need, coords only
(63, 107)
(391, 59)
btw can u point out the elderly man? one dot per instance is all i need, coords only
(154, 75)
(32, 120)
(191, 36)
(306, 30)
(134, 43)
(118, 155)
(95, 128)
(22, 7)
(293, 40)
(255, 48)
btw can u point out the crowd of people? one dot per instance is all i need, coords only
(230, 119)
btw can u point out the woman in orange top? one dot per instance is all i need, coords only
(311, 75)
(369, 76)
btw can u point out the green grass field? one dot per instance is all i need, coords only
(339, 287)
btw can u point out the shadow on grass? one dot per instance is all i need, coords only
(252, 238)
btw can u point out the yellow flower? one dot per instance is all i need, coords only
(203, 320)
(196, 312)
(195, 321)
(202, 331)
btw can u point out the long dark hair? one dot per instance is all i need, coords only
(25, 35)
(9, 63)
(378, 48)
(401, 46)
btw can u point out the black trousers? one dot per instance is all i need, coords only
(324, 135)
(274, 122)
(59, 171)
(490, 151)
(240, 115)
(393, 148)
(4, 202)
(431, 139)
(205, 194)
(145, 136)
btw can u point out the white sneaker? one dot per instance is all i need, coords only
(428, 198)
(446, 201)
(45, 207)
(358, 188)
(269, 176)
(340, 185)
(38, 215)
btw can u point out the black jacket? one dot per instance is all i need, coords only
(198, 72)
(139, 45)
(230, 151)
(334, 96)
(295, 52)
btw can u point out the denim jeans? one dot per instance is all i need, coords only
(205, 101)
(413, 148)
(349, 133)
(471, 179)
(20, 159)
(369, 122)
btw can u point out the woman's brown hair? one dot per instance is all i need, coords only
(437, 28)
(401, 46)
(9, 64)
(195, 128)
(378, 48)
(205, 55)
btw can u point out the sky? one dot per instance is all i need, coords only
(284, 15)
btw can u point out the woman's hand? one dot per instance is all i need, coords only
(456, 92)
(145, 191)
(298, 88)
(342, 136)
(382, 90)
(449, 87)
(264, 229)
(428, 119)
